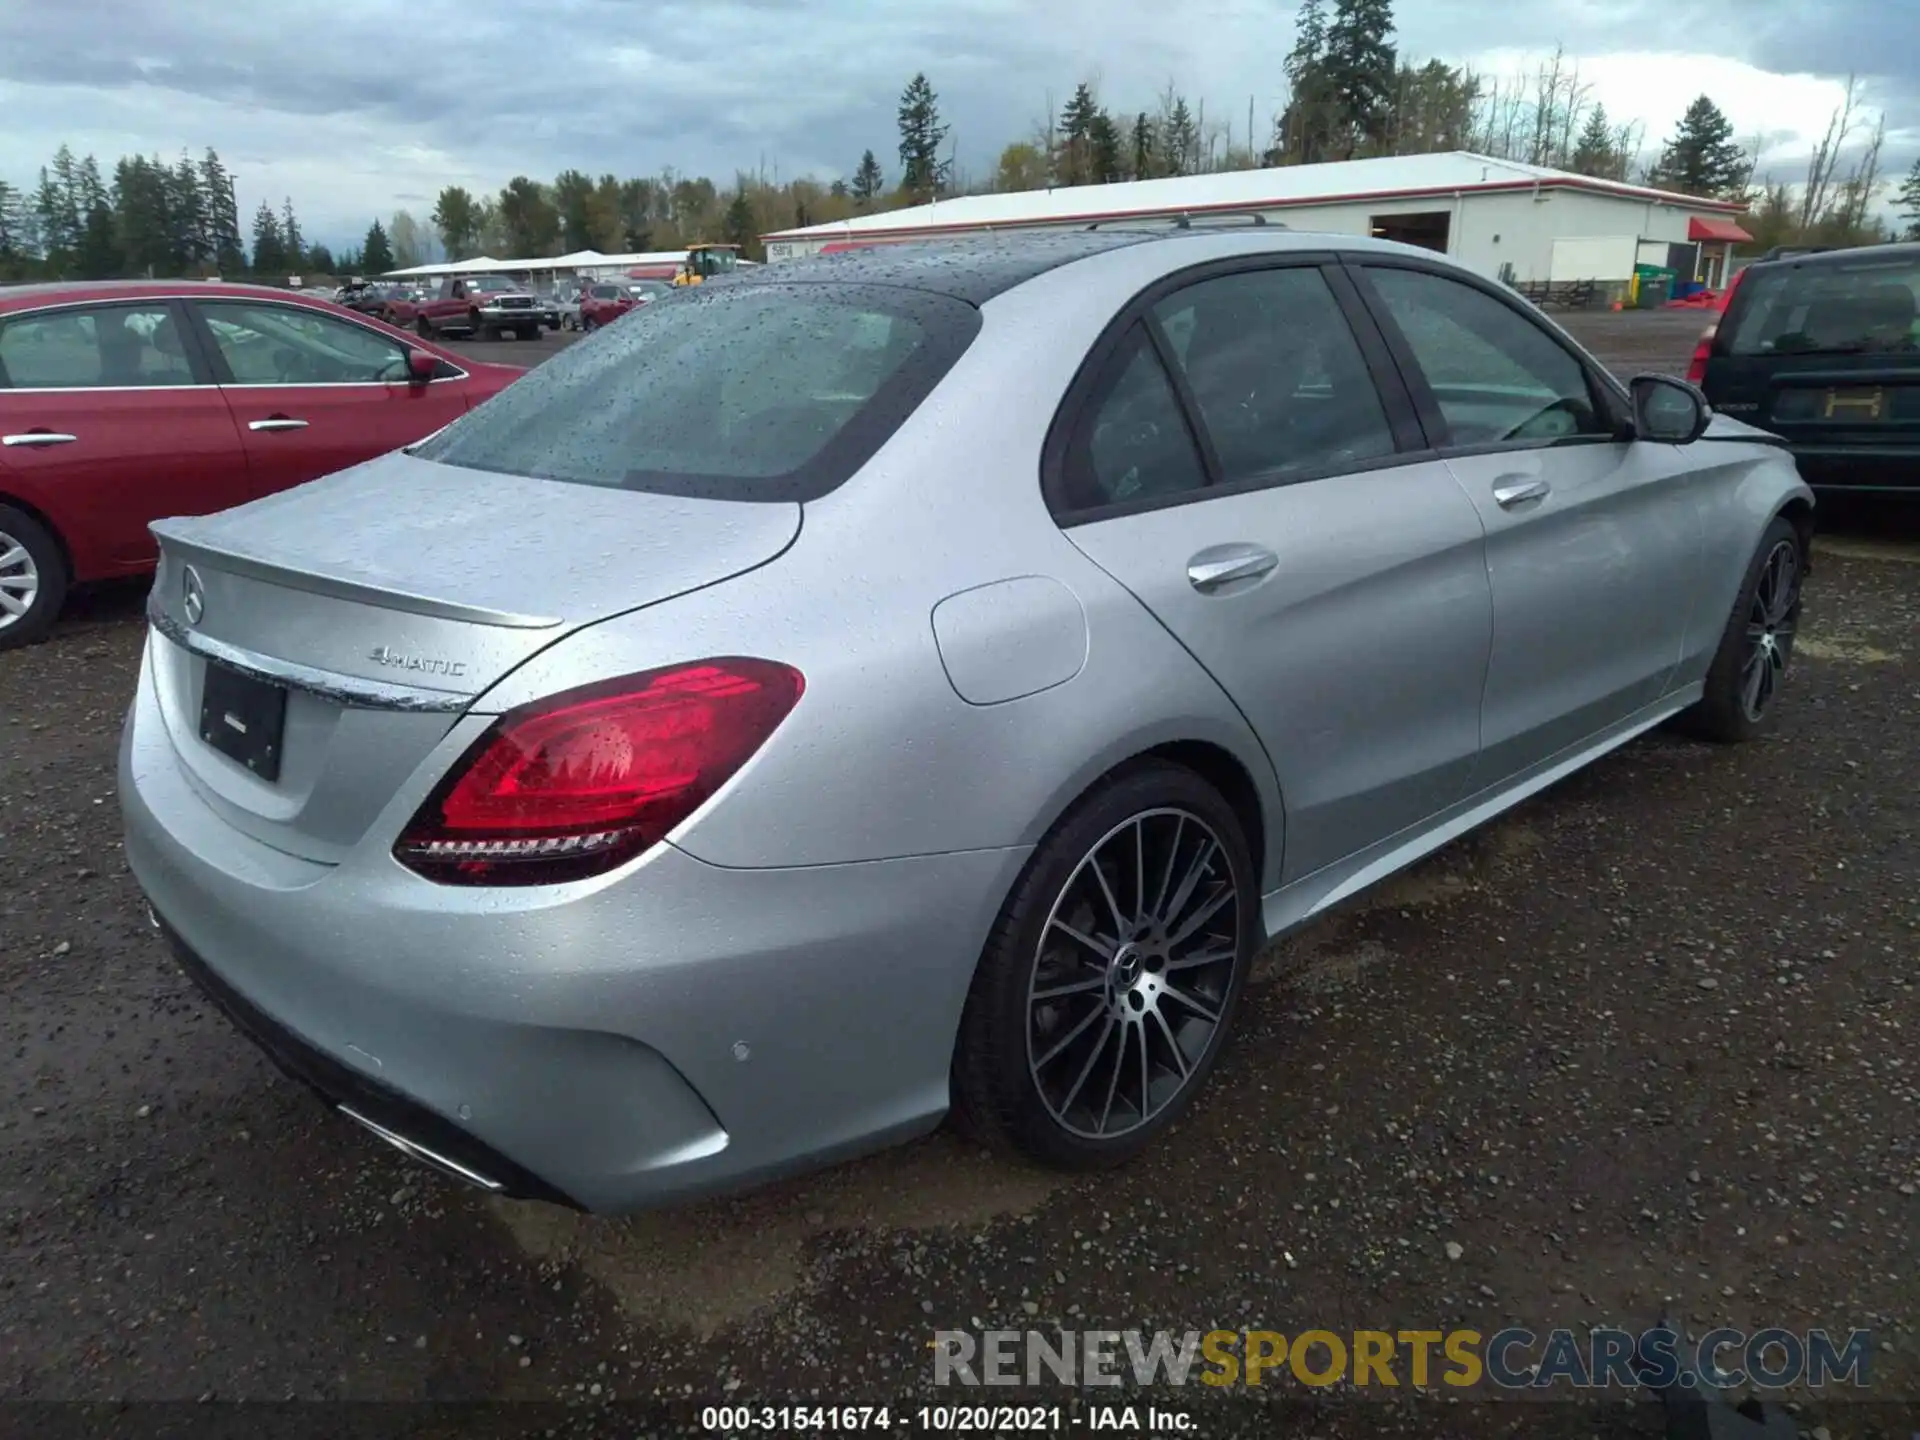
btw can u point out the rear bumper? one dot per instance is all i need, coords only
(676, 1029)
(342, 1088)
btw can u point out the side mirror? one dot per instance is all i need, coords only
(421, 367)
(1668, 410)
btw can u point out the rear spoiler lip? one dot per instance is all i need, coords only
(176, 539)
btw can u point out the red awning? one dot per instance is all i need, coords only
(1724, 230)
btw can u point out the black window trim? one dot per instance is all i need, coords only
(1098, 372)
(197, 363)
(221, 373)
(1609, 396)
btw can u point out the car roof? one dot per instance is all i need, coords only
(39, 293)
(1844, 255)
(976, 268)
(971, 268)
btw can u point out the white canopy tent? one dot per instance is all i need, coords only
(585, 263)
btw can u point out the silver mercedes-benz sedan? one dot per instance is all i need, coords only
(915, 681)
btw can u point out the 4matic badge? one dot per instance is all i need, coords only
(425, 665)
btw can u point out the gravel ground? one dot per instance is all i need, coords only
(1642, 1047)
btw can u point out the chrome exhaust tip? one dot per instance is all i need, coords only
(431, 1159)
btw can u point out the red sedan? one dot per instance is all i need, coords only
(124, 402)
(607, 300)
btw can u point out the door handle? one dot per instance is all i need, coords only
(277, 422)
(1518, 492)
(1220, 565)
(37, 438)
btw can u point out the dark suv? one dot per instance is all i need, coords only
(1823, 349)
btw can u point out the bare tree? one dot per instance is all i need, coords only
(1822, 166)
(1857, 190)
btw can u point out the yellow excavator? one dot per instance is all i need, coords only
(703, 262)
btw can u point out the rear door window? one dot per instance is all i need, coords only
(96, 347)
(1278, 378)
(1865, 306)
(754, 392)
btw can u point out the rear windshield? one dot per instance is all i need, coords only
(737, 392)
(1864, 306)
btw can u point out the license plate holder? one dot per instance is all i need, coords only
(244, 719)
(1856, 403)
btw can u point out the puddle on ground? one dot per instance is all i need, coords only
(1842, 648)
(1900, 552)
(706, 1266)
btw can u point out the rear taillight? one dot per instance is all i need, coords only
(1702, 352)
(581, 783)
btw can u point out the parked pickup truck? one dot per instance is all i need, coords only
(482, 306)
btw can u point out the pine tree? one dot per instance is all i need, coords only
(57, 208)
(293, 245)
(1357, 70)
(1073, 149)
(1702, 158)
(376, 254)
(1103, 150)
(98, 254)
(223, 216)
(269, 247)
(1907, 202)
(1179, 139)
(867, 179)
(1146, 147)
(15, 252)
(140, 207)
(738, 224)
(573, 202)
(923, 174)
(1593, 152)
(1304, 130)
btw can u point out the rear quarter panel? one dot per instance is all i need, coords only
(882, 758)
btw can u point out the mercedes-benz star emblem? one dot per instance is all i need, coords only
(193, 596)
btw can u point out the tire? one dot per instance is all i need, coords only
(32, 570)
(1029, 1076)
(422, 328)
(1740, 701)
(588, 326)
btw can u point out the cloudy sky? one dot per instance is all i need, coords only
(355, 109)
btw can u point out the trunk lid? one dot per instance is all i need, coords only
(386, 599)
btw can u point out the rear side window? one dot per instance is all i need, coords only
(110, 347)
(744, 392)
(1136, 444)
(1865, 306)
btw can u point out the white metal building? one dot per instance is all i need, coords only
(1521, 223)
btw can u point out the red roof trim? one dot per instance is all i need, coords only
(1634, 192)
